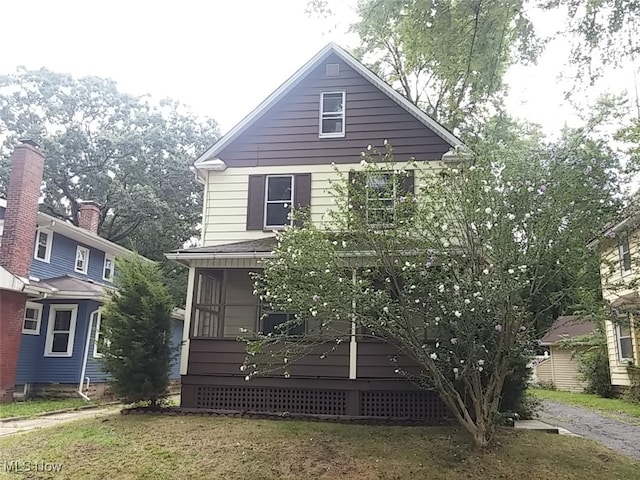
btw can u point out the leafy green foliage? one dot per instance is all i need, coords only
(137, 320)
(451, 274)
(130, 156)
(446, 56)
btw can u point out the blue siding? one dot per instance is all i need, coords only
(34, 367)
(62, 262)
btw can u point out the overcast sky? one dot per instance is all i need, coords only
(220, 57)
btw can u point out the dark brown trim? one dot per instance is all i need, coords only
(255, 202)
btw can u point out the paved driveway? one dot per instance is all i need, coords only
(616, 434)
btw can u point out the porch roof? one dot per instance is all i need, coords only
(261, 247)
(68, 286)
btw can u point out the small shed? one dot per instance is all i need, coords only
(560, 368)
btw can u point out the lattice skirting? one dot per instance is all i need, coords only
(382, 404)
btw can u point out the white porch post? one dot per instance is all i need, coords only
(188, 315)
(353, 345)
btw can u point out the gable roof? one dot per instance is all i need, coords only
(73, 232)
(210, 155)
(569, 326)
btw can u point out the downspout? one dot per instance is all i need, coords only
(84, 360)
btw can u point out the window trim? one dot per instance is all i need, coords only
(619, 338)
(50, 332)
(104, 267)
(340, 134)
(267, 201)
(38, 308)
(96, 337)
(392, 177)
(47, 256)
(85, 269)
(622, 252)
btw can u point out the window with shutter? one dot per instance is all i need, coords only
(271, 198)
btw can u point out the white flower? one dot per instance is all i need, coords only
(522, 268)
(434, 356)
(286, 375)
(457, 314)
(511, 271)
(511, 216)
(485, 271)
(243, 368)
(385, 309)
(456, 288)
(527, 215)
(487, 210)
(480, 369)
(247, 378)
(467, 301)
(344, 244)
(455, 371)
(314, 313)
(441, 288)
(386, 142)
(369, 147)
(480, 362)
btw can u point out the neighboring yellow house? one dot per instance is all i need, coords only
(619, 274)
(561, 368)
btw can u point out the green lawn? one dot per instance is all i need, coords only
(614, 407)
(34, 407)
(175, 447)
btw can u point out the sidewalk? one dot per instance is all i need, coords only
(18, 426)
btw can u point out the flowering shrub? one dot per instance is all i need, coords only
(445, 273)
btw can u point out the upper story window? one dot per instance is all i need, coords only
(43, 245)
(82, 260)
(625, 255)
(625, 344)
(32, 318)
(278, 200)
(108, 268)
(332, 114)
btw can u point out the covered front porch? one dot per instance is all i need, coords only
(357, 377)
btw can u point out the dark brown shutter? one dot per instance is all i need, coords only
(302, 193)
(302, 190)
(406, 183)
(255, 203)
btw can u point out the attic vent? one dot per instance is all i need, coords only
(333, 70)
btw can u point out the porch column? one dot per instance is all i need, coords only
(188, 315)
(353, 345)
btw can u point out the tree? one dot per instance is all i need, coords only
(127, 154)
(448, 275)
(446, 56)
(137, 321)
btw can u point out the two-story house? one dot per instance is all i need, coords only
(284, 153)
(619, 275)
(54, 279)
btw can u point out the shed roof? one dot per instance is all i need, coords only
(569, 326)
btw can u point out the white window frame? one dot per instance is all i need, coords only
(111, 258)
(96, 337)
(85, 268)
(47, 255)
(50, 331)
(267, 201)
(622, 251)
(38, 308)
(393, 199)
(619, 337)
(329, 115)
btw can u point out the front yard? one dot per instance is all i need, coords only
(31, 408)
(611, 407)
(168, 447)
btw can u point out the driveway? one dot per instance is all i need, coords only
(616, 434)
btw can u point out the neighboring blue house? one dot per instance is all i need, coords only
(71, 270)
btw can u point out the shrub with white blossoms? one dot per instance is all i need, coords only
(445, 274)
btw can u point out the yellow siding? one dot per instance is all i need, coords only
(544, 372)
(618, 368)
(226, 195)
(565, 370)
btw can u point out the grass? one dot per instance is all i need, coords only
(31, 408)
(612, 407)
(174, 447)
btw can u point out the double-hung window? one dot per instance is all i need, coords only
(82, 260)
(278, 200)
(381, 197)
(108, 268)
(32, 318)
(101, 342)
(43, 245)
(624, 254)
(381, 194)
(623, 337)
(332, 114)
(61, 330)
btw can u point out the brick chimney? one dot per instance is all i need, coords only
(89, 216)
(16, 253)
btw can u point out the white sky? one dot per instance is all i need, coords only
(222, 58)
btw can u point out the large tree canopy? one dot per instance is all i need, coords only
(446, 56)
(127, 154)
